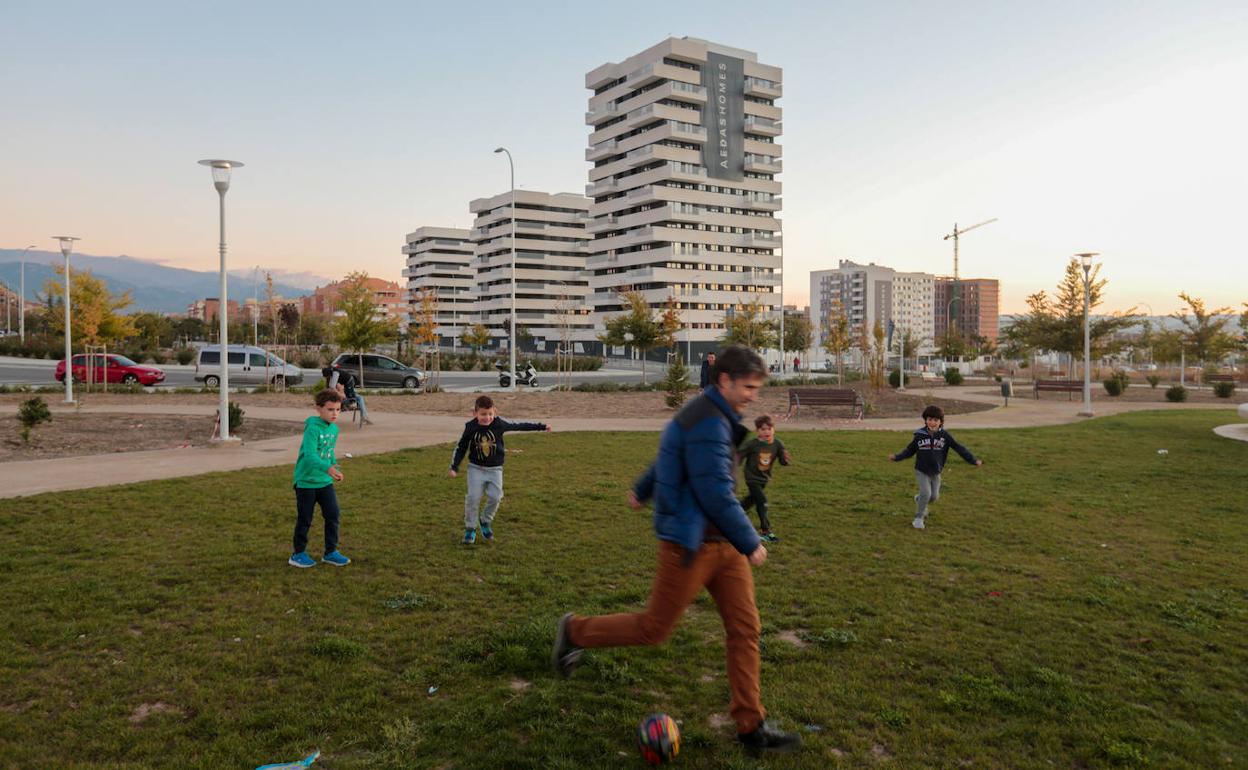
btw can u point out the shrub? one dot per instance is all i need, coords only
(137, 356)
(1123, 378)
(185, 355)
(1223, 389)
(309, 361)
(953, 377)
(158, 356)
(894, 378)
(1176, 394)
(1153, 380)
(1113, 386)
(676, 383)
(32, 412)
(236, 416)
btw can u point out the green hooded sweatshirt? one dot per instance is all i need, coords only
(316, 454)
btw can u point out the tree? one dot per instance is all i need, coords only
(797, 333)
(836, 338)
(1204, 333)
(635, 327)
(874, 350)
(1167, 346)
(669, 324)
(288, 318)
(476, 337)
(94, 309)
(750, 326)
(950, 345)
(359, 328)
(907, 342)
(152, 329)
(676, 382)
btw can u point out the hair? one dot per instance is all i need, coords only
(328, 395)
(763, 419)
(738, 361)
(934, 411)
(483, 402)
(711, 354)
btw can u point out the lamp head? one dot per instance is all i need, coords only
(500, 149)
(221, 172)
(67, 243)
(1085, 259)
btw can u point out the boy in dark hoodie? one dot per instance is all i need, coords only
(930, 447)
(758, 457)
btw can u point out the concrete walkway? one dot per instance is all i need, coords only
(393, 431)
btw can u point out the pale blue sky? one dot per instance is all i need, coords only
(1116, 127)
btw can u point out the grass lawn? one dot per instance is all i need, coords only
(1080, 601)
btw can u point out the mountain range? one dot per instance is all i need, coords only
(152, 286)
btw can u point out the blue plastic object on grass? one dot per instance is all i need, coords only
(305, 762)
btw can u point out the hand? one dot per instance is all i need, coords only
(335, 473)
(787, 457)
(452, 473)
(633, 502)
(548, 429)
(759, 556)
(893, 458)
(978, 463)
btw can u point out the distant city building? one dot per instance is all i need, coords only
(209, 309)
(439, 262)
(252, 306)
(976, 314)
(551, 283)
(870, 293)
(390, 299)
(914, 300)
(684, 184)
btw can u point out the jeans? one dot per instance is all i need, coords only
(306, 500)
(758, 497)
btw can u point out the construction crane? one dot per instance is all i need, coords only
(954, 235)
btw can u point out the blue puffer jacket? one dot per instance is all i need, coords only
(692, 482)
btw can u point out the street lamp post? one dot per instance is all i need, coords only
(255, 307)
(511, 343)
(1085, 259)
(67, 245)
(21, 303)
(221, 180)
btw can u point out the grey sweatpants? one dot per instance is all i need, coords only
(487, 482)
(929, 492)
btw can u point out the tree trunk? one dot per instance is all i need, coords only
(360, 361)
(643, 367)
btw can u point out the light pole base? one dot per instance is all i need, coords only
(1086, 414)
(218, 441)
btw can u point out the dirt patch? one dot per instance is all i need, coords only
(146, 710)
(792, 638)
(519, 684)
(74, 435)
(719, 721)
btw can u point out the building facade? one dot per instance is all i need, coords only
(551, 281)
(209, 309)
(388, 296)
(684, 184)
(870, 293)
(439, 267)
(977, 312)
(914, 302)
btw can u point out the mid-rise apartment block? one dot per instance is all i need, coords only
(551, 282)
(439, 266)
(684, 184)
(869, 293)
(390, 299)
(976, 311)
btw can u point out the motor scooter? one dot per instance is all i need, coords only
(524, 376)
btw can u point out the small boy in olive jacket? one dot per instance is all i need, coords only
(759, 455)
(316, 470)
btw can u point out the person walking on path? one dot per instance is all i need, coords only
(708, 363)
(705, 541)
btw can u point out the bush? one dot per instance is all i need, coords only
(1153, 380)
(158, 356)
(1176, 394)
(615, 387)
(137, 356)
(953, 377)
(236, 416)
(185, 355)
(1223, 389)
(894, 378)
(32, 412)
(309, 361)
(676, 383)
(1113, 386)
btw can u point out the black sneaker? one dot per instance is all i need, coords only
(565, 655)
(768, 739)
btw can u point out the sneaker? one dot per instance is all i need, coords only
(565, 655)
(918, 522)
(771, 537)
(301, 559)
(487, 533)
(336, 558)
(766, 738)
(470, 537)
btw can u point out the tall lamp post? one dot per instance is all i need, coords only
(67, 245)
(511, 343)
(255, 307)
(21, 303)
(1085, 259)
(221, 180)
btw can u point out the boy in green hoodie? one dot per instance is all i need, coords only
(759, 456)
(316, 470)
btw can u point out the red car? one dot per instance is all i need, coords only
(117, 369)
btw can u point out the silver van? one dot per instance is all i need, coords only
(249, 365)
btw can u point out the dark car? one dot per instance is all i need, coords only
(111, 368)
(380, 371)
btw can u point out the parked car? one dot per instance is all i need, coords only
(249, 365)
(111, 368)
(380, 371)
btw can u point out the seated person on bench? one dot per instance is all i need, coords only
(344, 382)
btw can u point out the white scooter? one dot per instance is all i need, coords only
(525, 376)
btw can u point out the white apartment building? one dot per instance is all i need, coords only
(684, 184)
(439, 261)
(551, 282)
(871, 292)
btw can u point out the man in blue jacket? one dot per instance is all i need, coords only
(705, 541)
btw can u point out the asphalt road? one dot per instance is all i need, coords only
(25, 371)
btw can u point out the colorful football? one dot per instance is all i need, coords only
(658, 739)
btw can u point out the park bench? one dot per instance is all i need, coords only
(1212, 378)
(1060, 386)
(799, 397)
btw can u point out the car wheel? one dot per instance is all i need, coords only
(129, 379)
(411, 383)
(279, 381)
(502, 382)
(212, 381)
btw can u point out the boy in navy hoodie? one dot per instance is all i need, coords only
(930, 447)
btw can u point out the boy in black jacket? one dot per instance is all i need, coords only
(482, 441)
(758, 456)
(930, 446)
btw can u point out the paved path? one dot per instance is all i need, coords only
(394, 431)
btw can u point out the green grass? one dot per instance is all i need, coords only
(1081, 601)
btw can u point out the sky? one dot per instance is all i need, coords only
(1113, 127)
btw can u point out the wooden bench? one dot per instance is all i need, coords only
(1060, 386)
(799, 397)
(1212, 378)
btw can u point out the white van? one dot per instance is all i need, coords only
(249, 365)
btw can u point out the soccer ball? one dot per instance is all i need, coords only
(658, 739)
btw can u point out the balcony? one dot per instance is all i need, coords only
(767, 89)
(762, 164)
(759, 201)
(601, 150)
(601, 187)
(601, 114)
(764, 126)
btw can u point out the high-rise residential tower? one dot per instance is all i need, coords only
(551, 282)
(684, 184)
(439, 263)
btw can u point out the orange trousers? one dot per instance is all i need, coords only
(723, 571)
